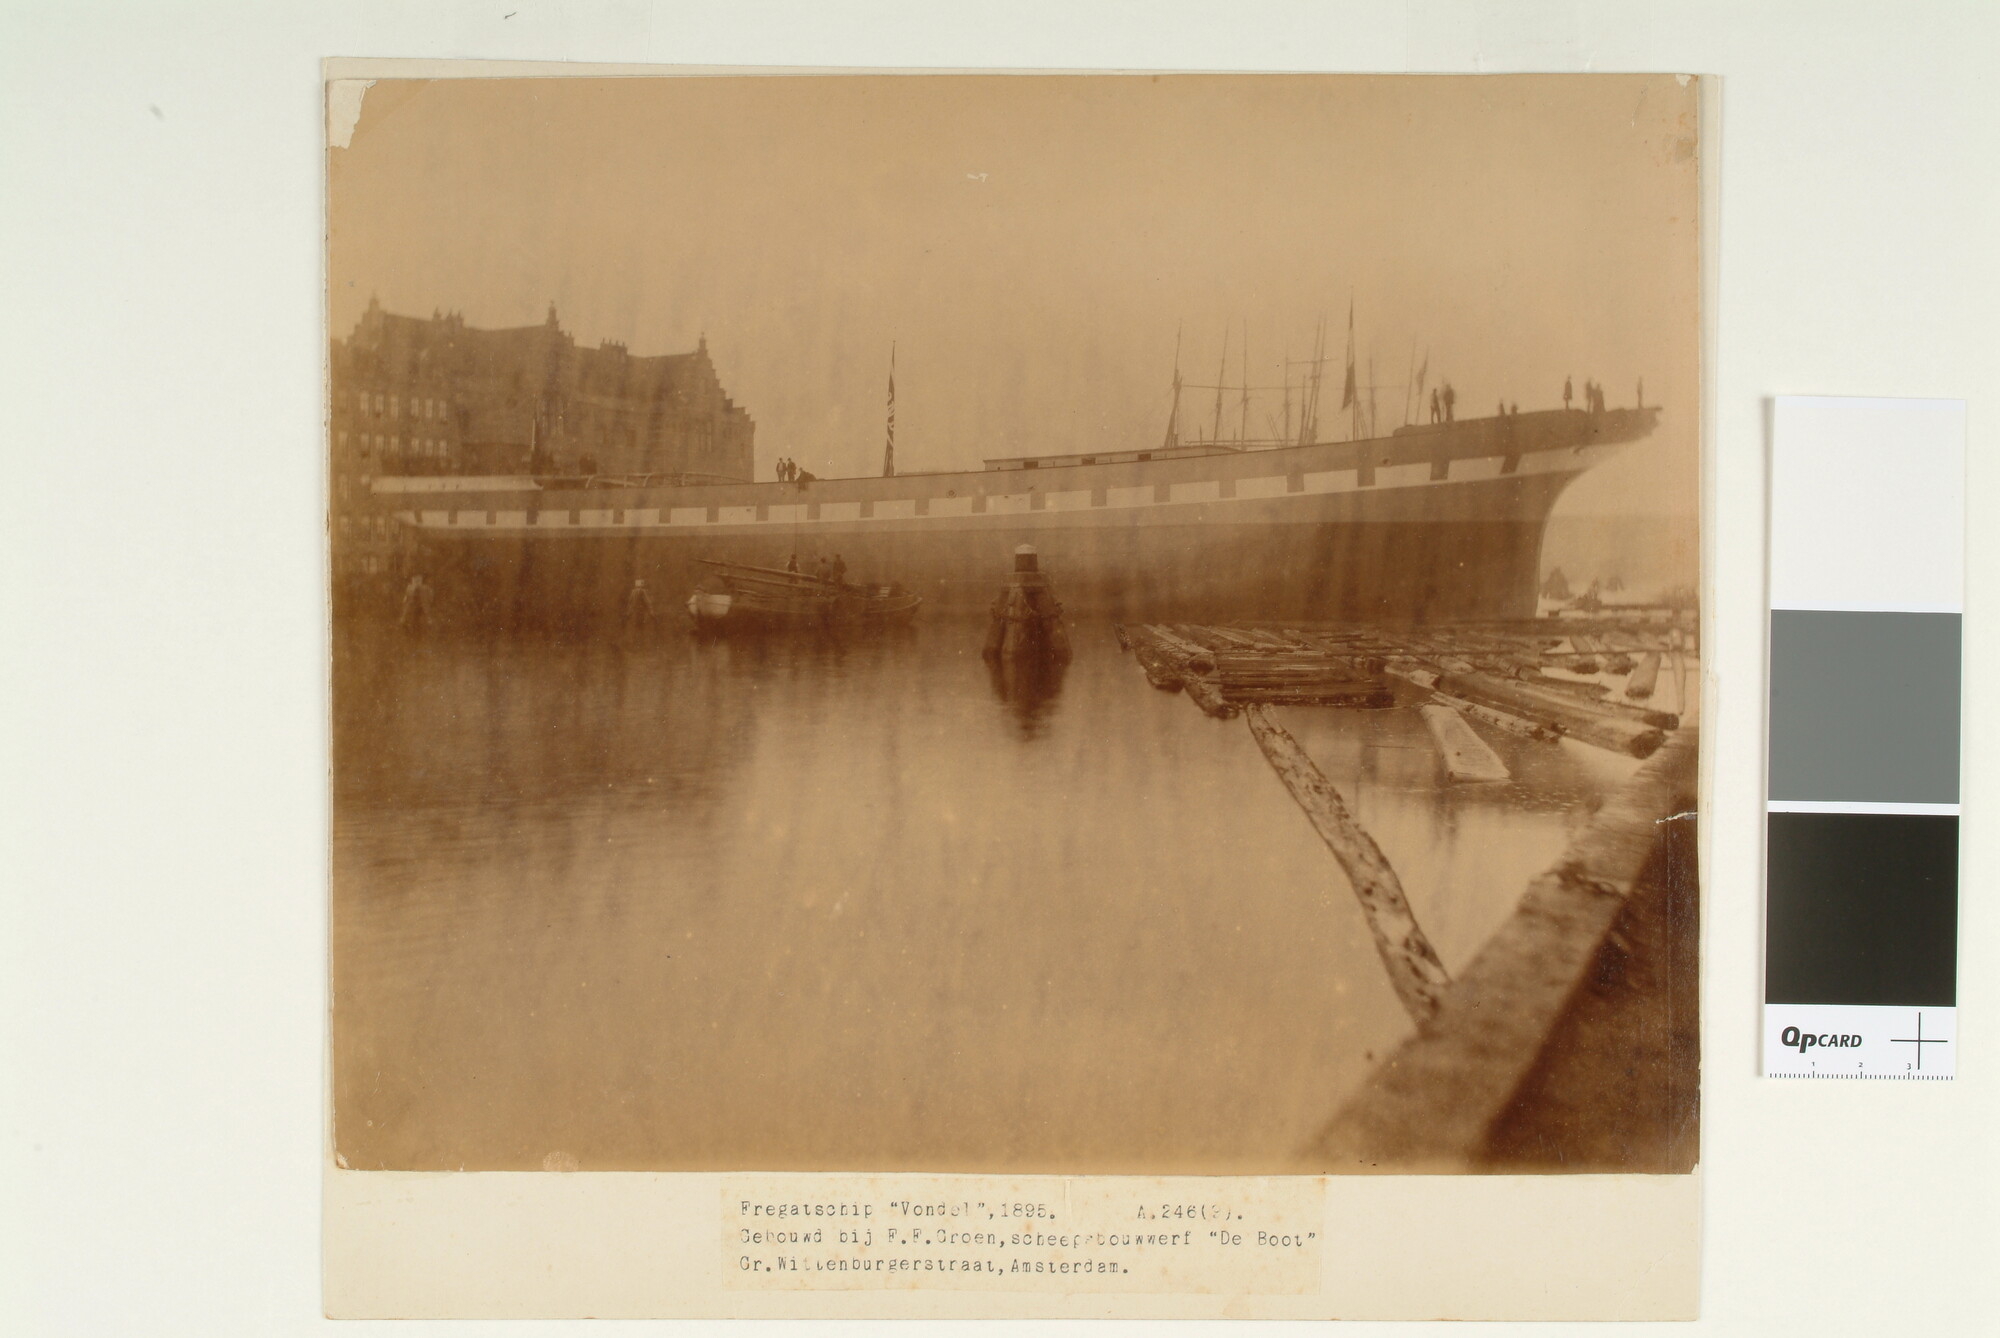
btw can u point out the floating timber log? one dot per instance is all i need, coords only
(1415, 971)
(1574, 718)
(1172, 663)
(1644, 678)
(1204, 691)
(1596, 697)
(1465, 755)
(1197, 657)
(1513, 724)
(1592, 697)
(1163, 671)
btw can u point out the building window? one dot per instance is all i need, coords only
(395, 406)
(378, 402)
(341, 438)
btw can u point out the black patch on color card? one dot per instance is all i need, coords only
(1862, 909)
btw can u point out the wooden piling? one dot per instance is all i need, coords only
(1415, 971)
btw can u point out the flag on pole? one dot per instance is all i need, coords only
(889, 451)
(1422, 373)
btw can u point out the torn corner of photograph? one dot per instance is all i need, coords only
(343, 109)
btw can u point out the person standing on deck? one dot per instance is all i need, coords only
(1450, 402)
(839, 570)
(792, 564)
(639, 605)
(1437, 413)
(416, 613)
(823, 571)
(1566, 392)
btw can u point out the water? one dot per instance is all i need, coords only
(804, 904)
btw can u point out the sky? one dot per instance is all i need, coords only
(1035, 247)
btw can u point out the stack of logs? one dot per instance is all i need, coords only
(1493, 675)
(1226, 668)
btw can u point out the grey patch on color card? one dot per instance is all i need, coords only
(1864, 706)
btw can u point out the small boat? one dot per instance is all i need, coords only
(736, 594)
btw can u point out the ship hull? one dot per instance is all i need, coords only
(1312, 567)
(1443, 527)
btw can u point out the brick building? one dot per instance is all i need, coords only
(417, 396)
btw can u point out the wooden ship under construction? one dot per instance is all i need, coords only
(1431, 521)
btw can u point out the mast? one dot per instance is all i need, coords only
(1243, 422)
(1288, 396)
(889, 450)
(1372, 429)
(1221, 375)
(1310, 428)
(1348, 398)
(1410, 381)
(1174, 415)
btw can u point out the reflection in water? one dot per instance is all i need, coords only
(811, 902)
(1030, 685)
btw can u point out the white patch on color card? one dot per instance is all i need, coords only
(1868, 505)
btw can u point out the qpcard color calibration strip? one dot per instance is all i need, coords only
(1861, 867)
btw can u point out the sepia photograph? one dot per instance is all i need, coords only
(1015, 624)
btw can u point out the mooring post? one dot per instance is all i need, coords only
(1026, 620)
